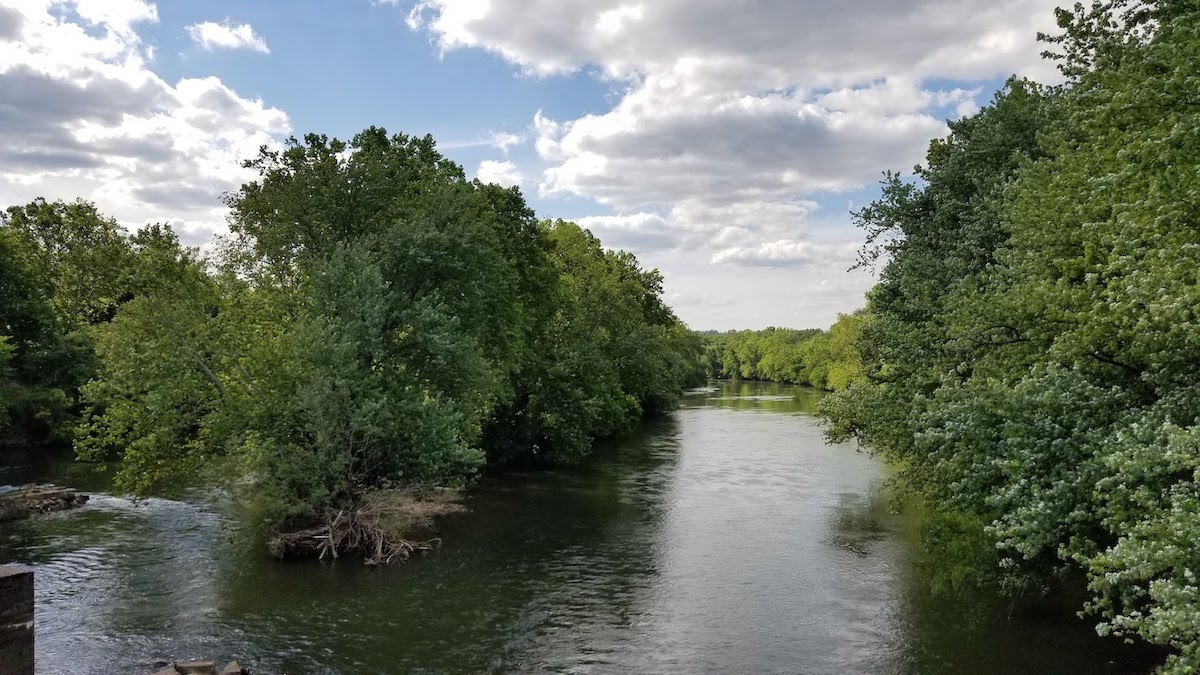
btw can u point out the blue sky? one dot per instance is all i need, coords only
(722, 141)
(341, 69)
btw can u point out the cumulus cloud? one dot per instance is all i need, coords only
(637, 231)
(741, 234)
(226, 35)
(769, 253)
(10, 23)
(82, 115)
(732, 119)
(730, 112)
(788, 252)
(659, 145)
(694, 225)
(827, 43)
(505, 141)
(501, 173)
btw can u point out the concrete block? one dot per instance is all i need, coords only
(16, 620)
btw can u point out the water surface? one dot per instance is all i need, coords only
(726, 537)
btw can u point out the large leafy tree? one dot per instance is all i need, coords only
(33, 354)
(374, 320)
(63, 269)
(79, 258)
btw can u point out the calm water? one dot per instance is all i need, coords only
(727, 538)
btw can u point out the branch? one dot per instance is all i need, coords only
(202, 366)
(1104, 358)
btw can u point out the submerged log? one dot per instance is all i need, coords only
(27, 500)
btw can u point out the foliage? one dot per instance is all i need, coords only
(610, 352)
(1031, 347)
(375, 320)
(825, 359)
(63, 269)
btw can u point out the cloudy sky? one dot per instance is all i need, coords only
(723, 141)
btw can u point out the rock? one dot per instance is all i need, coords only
(169, 670)
(196, 668)
(30, 499)
(233, 668)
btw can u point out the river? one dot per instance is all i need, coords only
(726, 537)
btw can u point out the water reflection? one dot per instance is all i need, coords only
(760, 396)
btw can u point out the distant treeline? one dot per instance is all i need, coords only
(825, 359)
(1032, 349)
(373, 320)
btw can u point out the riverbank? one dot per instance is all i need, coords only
(736, 380)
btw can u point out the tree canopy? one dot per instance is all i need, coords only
(823, 359)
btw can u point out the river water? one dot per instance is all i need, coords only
(727, 537)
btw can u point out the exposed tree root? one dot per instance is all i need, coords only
(378, 527)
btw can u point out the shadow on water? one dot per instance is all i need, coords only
(726, 537)
(860, 522)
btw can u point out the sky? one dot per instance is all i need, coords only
(725, 142)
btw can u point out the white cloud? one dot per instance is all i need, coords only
(732, 112)
(501, 173)
(746, 294)
(745, 234)
(613, 21)
(226, 35)
(635, 232)
(83, 116)
(660, 145)
(768, 253)
(732, 119)
(826, 42)
(504, 141)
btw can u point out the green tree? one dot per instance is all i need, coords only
(375, 320)
(64, 270)
(79, 259)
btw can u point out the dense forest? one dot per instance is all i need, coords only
(374, 320)
(824, 359)
(1031, 352)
